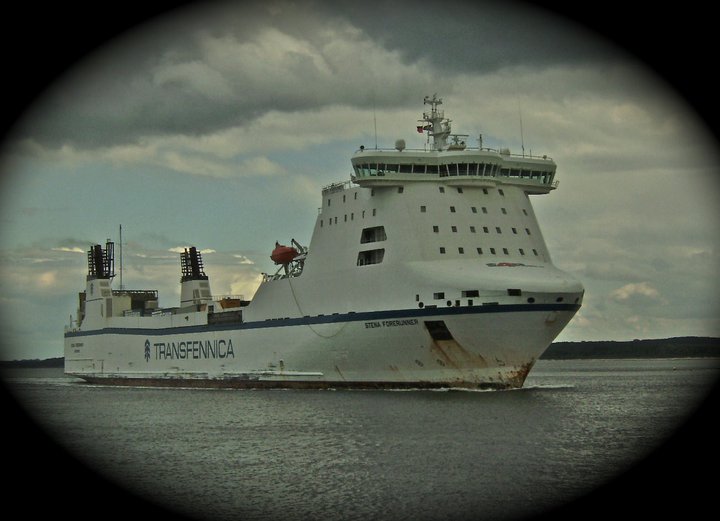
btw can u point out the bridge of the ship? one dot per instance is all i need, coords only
(477, 167)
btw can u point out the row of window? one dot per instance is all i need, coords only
(470, 293)
(492, 251)
(376, 256)
(344, 198)
(334, 220)
(402, 189)
(473, 209)
(473, 229)
(423, 209)
(459, 189)
(452, 169)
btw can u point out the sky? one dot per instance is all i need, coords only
(216, 125)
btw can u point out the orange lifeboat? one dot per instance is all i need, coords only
(283, 254)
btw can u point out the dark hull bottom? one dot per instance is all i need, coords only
(281, 384)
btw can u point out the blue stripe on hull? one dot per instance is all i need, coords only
(330, 319)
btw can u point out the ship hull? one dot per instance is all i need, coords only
(474, 347)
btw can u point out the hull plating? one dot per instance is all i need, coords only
(472, 347)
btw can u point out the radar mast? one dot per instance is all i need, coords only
(436, 124)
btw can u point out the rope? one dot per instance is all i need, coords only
(292, 290)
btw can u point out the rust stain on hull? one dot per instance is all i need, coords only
(455, 355)
(516, 378)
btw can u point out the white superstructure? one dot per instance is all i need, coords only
(426, 269)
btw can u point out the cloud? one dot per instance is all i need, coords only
(236, 63)
(181, 249)
(631, 290)
(74, 249)
(528, 35)
(243, 259)
(47, 279)
(222, 79)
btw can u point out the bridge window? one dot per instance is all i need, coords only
(373, 234)
(370, 257)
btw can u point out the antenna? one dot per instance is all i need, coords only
(374, 117)
(522, 138)
(121, 259)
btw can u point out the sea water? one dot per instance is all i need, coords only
(352, 455)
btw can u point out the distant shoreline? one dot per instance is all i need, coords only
(36, 363)
(678, 347)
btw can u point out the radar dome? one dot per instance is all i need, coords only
(400, 144)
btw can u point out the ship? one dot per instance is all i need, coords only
(426, 269)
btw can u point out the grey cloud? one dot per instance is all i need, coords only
(123, 92)
(477, 36)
